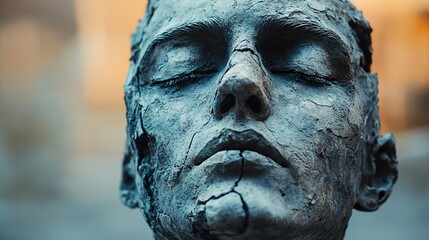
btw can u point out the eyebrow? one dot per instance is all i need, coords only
(307, 29)
(302, 27)
(214, 28)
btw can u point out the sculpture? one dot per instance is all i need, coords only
(253, 120)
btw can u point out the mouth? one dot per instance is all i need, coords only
(240, 140)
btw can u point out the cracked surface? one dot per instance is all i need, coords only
(251, 119)
(226, 214)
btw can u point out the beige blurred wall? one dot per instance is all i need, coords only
(401, 59)
(105, 29)
(39, 81)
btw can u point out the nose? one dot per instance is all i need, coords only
(242, 90)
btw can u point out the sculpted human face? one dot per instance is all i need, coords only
(250, 120)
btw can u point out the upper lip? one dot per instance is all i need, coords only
(240, 140)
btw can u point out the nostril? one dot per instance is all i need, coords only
(254, 104)
(227, 103)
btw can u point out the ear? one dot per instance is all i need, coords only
(379, 174)
(128, 188)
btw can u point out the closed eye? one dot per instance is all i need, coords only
(308, 79)
(184, 79)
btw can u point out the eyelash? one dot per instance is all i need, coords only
(306, 78)
(298, 76)
(193, 76)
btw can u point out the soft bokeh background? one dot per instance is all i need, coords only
(62, 118)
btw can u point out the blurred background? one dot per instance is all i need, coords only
(62, 118)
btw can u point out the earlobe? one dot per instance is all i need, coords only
(128, 188)
(377, 185)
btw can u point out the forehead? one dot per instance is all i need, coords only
(247, 14)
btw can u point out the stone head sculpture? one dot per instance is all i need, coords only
(253, 120)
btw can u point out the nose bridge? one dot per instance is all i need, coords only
(244, 52)
(244, 68)
(242, 89)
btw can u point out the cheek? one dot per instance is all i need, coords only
(315, 127)
(172, 119)
(176, 111)
(304, 114)
(169, 120)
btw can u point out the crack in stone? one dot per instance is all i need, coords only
(344, 138)
(176, 175)
(299, 129)
(274, 135)
(269, 129)
(353, 136)
(318, 104)
(243, 203)
(189, 148)
(232, 190)
(246, 212)
(214, 197)
(242, 171)
(336, 135)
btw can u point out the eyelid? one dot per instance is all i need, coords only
(306, 78)
(183, 78)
